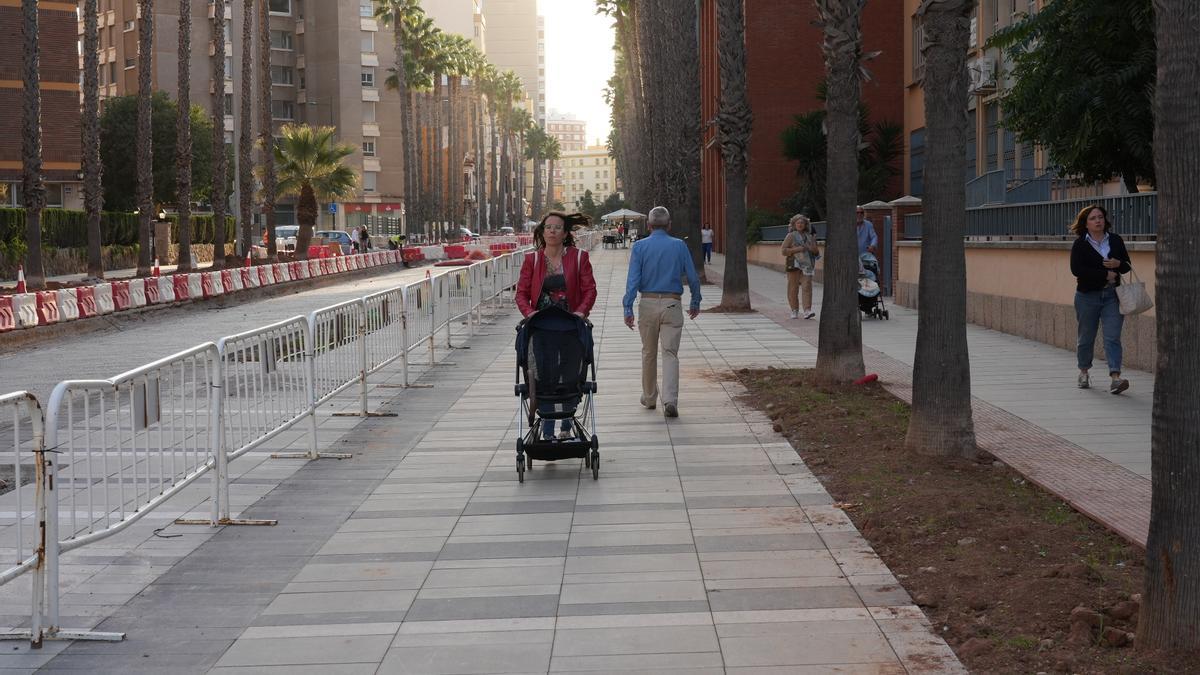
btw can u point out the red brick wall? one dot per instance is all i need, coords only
(60, 105)
(784, 65)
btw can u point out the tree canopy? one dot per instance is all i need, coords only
(1082, 78)
(118, 129)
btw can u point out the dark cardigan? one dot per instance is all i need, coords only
(1088, 267)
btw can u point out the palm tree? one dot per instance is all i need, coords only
(535, 147)
(93, 192)
(220, 165)
(734, 119)
(144, 145)
(33, 186)
(522, 122)
(395, 13)
(309, 166)
(183, 133)
(941, 422)
(1172, 580)
(839, 347)
(245, 131)
(551, 152)
(266, 128)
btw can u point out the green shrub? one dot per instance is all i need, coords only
(757, 219)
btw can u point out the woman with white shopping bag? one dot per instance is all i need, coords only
(1098, 259)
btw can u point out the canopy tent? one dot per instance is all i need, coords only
(623, 214)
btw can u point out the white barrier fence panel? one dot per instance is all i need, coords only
(385, 340)
(266, 385)
(337, 356)
(22, 498)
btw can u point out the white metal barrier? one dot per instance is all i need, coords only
(110, 451)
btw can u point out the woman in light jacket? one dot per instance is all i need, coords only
(799, 249)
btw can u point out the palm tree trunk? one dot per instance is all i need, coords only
(408, 162)
(183, 133)
(453, 157)
(144, 145)
(266, 129)
(439, 164)
(245, 131)
(941, 422)
(33, 186)
(220, 167)
(735, 121)
(839, 350)
(482, 170)
(1171, 598)
(494, 174)
(93, 191)
(550, 181)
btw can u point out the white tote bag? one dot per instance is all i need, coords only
(1132, 295)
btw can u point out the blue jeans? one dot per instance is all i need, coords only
(1093, 308)
(548, 425)
(707, 252)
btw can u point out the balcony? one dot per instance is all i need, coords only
(301, 63)
(370, 129)
(370, 94)
(368, 25)
(299, 27)
(371, 164)
(370, 59)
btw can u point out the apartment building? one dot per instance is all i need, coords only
(572, 137)
(589, 169)
(329, 61)
(59, 77)
(990, 147)
(516, 42)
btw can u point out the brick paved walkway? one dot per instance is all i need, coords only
(1090, 448)
(706, 546)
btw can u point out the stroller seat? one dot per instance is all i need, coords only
(554, 357)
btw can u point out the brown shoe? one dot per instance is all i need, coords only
(648, 406)
(669, 410)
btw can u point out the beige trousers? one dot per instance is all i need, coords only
(660, 321)
(798, 281)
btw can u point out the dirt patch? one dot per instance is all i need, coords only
(722, 309)
(1013, 578)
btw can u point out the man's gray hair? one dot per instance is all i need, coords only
(659, 216)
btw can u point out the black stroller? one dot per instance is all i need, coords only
(870, 295)
(554, 355)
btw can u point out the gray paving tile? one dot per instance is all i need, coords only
(306, 651)
(468, 659)
(783, 598)
(482, 608)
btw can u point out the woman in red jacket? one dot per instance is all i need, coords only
(556, 273)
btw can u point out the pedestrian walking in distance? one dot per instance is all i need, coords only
(656, 265)
(1098, 259)
(706, 242)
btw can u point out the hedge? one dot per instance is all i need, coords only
(62, 228)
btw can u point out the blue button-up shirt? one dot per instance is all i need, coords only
(866, 236)
(656, 265)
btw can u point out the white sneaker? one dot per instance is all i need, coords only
(795, 314)
(809, 314)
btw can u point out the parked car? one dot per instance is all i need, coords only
(338, 237)
(285, 237)
(467, 235)
(506, 230)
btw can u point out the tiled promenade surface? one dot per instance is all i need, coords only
(1088, 446)
(705, 546)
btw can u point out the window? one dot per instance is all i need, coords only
(10, 194)
(370, 181)
(283, 110)
(228, 138)
(368, 42)
(282, 75)
(54, 195)
(918, 55)
(280, 6)
(368, 77)
(366, 8)
(228, 33)
(229, 105)
(1028, 170)
(972, 146)
(129, 25)
(916, 167)
(129, 63)
(368, 148)
(229, 67)
(1010, 152)
(993, 133)
(112, 72)
(281, 39)
(368, 112)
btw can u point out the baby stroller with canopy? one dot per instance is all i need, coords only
(870, 299)
(554, 358)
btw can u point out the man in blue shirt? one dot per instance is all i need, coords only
(868, 241)
(656, 265)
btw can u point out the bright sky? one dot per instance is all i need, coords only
(579, 61)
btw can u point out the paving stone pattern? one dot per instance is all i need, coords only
(706, 545)
(1089, 447)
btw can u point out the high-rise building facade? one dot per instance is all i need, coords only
(329, 61)
(461, 17)
(59, 78)
(572, 137)
(515, 41)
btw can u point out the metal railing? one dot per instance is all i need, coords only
(1135, 214)
(111, 451)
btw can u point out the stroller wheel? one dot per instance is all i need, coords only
(595, 465)
(521, 469)
(595, 442)
(886, 316)
(587, 460)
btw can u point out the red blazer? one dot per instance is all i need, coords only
(581, 284)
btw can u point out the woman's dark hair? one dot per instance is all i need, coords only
(1079, 227)
(571, 221)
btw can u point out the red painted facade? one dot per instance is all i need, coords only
(784, 65)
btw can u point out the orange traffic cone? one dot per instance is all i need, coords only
(248, 263)
(155, 272)
(21, 279)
